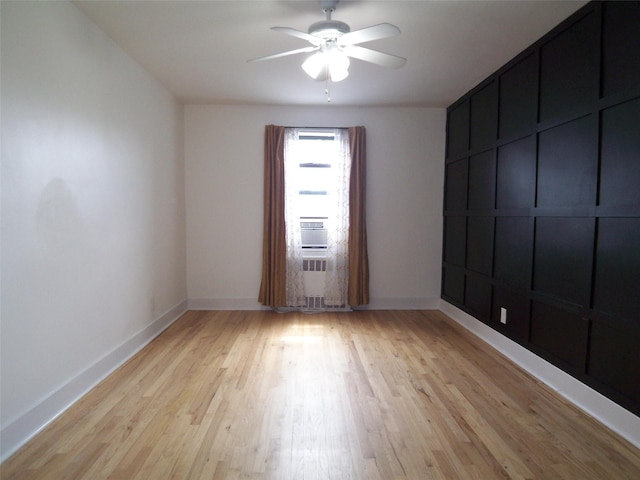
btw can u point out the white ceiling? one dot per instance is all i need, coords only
(198, 49)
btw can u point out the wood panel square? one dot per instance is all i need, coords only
(516, 182)
(456, 185)
(482, 181)
(569, 70)
(620, 371)
(484, 117)
(563, 254)
(620, 47)
(561, 333)
(568, 164)
(480, 244)
(458, 131)
(519, 97)
(477, 296)
(618, 268)
(513, 251)
(455, 235)
(620, 155)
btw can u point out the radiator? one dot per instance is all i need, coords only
(314, 271)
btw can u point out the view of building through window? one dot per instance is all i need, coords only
(314, 175)
(316, 155)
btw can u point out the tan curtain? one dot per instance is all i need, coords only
(358, 254)
(274, 248)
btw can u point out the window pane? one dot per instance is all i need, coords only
(315, 177)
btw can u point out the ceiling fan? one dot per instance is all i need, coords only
(334, 42)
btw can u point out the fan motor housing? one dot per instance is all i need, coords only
(329, 29)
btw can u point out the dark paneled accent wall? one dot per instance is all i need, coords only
(542, 199)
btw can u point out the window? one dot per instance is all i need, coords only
(314, 162)
(317, 165)
(313, 176)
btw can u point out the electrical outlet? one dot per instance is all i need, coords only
(503, 315)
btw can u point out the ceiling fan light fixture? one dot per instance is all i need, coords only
(329, 62)
(314, 65)
(333, 43)
(338, 64)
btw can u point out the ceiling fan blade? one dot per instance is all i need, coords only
(373, 56)
(284, 54)
(375, 32)
(297, 33)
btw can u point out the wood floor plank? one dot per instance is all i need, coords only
(361, 395)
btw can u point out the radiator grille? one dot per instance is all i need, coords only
(314, 265)
(315, 303)
(314, 270)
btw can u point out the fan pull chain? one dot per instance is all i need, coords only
(327, 92)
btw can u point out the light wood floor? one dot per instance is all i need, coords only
(363, 395)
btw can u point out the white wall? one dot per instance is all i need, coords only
(224, 189)
(93, 226)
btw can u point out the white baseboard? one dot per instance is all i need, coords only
(22, 429)
(225, 304)
(612, 415)
(423, 303)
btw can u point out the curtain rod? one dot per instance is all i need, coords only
(317, 128)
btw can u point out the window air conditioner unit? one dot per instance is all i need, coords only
(314, 233)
